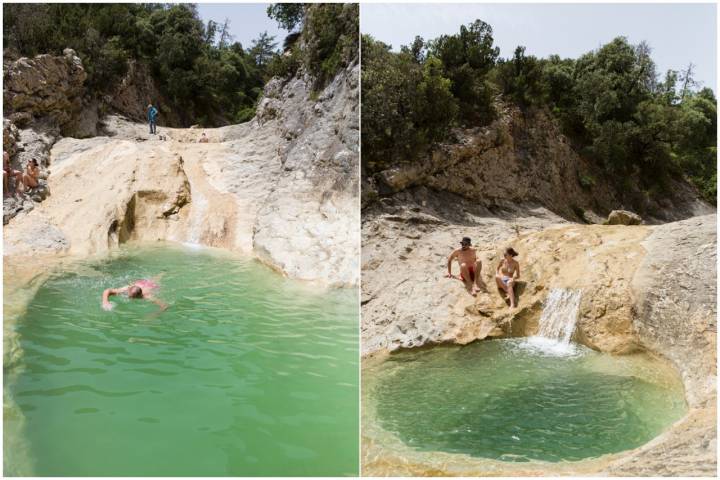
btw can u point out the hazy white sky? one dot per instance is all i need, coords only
(677, 33)
(247, 20)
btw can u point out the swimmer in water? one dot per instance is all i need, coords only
(138, 289)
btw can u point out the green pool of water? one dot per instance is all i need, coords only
(246, 373)
(508, 401)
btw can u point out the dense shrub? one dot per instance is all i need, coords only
(331, 37)
(406, 105)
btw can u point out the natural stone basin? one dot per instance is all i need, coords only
(246, 373)
(518, 400)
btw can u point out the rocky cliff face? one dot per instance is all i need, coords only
(134, 92)
(311, 214)
(46, 86)
(282, 187)
(43, 98)
(523, 157)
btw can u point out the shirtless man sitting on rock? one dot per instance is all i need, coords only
(138, 289)
(470, 267)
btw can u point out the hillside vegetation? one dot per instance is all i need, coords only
(611, 103)
(205, 77)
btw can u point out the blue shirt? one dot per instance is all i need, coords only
(152, 113)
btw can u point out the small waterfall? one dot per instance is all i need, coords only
(559, 315)
(557, 322)
(197, 217)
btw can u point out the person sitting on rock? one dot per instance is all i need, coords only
(203, 138)
(9, 173)
(138, 289)
(31, 177)
(152, 118)
(470, 267)
(508, 271)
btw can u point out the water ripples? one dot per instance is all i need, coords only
(501, 400)
(240, 350)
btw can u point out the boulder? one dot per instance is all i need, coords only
(45, 86)
(623, 217)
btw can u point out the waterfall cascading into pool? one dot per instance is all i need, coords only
(557, 323)
(542, 398)
(246, 373)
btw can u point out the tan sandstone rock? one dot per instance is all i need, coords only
(623, 217)
(646, 289)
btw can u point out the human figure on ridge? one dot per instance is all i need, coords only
(152, 118)
(470, 267)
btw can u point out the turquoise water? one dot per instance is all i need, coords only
(246, 373)
(507, 400)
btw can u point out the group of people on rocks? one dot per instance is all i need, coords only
(506, 274)
(23, 181)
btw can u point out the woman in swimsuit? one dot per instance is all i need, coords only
(139, 289)
(507, 272)
(31, 176)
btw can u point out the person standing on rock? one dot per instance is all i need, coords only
(152, 118)
(508, 271)
(470, 267)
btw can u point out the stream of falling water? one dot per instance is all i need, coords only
(557, 323)
(198, 210)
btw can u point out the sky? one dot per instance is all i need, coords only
(247, 20)
(677, 33)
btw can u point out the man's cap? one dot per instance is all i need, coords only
(465, 240)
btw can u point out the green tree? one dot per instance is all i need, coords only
(288, 15)
(406, 106)
(467, 58)
(521, 79)
(263, 49)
